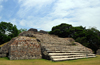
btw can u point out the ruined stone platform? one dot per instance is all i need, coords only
(35, 45)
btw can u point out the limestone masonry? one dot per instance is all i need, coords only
(98, 52)
(32, 44)
(25, 48)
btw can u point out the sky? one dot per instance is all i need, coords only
(44, 14)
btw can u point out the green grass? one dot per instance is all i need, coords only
(85, 61)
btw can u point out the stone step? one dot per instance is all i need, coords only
(79, 57)
(55, 44)
(68, 51)
(59, 56)
(61, 45)
(63, 49)
(52, 54)
(82, 55)
(91, 56)
(66, 47)
(61, 59)
(68, 56)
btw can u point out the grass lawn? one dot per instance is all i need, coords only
(89, 61)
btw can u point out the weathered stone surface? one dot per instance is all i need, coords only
(3, 55)
(0, 51)
(32, 29)
(80, 45)
(0, 55)
(25, 48)
(42, 31)
(98, 52)
(54, 42)
(5, 48)
(70, 40)
(27, 34)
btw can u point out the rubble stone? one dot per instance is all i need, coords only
(42, 31)
(32, 29)
(98, 52)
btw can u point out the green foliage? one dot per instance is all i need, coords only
(7, 31)
(22, 30)
(61, 30)
(87, 37)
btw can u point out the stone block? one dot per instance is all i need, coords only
(32, 29)
(0, 55)
(44, 32)
(5, 51)
(98, 52)
(3, 55)
(0, 51)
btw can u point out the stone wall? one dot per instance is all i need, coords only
(32, 29)
(98, 52)
(25, 48)
(4, 50)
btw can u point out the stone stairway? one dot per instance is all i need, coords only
(60, 56)
(65, 52)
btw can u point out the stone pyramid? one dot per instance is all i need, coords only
(35, 45)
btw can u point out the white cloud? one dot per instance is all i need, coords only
(79, 12)
(32, 5)
(75, 12)
(88, 17)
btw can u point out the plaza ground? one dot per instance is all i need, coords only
(85, 61)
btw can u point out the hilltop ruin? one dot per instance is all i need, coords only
(32, 44)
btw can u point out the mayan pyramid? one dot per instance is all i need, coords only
(35, 45)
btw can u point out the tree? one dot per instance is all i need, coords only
(61, 30)
(7, 31)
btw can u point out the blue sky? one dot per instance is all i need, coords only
(44, 14)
